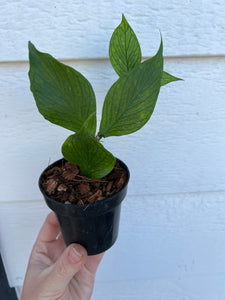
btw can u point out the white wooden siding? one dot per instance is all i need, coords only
(180, 150)
(81, 29)
(171, 243)
(169, 247)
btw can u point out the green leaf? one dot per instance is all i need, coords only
(63, 96)
(84, 150)
(88, 124)
(167, 78)
(131, 100)
(124, 48)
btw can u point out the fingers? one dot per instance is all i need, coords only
(49, 244)
(86, 276)
(49, 230)
(69, 263)
(93, 262)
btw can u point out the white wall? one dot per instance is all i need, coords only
(171, 243)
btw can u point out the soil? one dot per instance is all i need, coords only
(66, 184)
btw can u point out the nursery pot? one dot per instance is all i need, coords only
(95, 226)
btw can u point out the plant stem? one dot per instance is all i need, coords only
(98, 137)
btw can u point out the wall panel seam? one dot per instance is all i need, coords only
(106, 59)
(169, 195)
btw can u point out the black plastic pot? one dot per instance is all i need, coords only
(96, 225)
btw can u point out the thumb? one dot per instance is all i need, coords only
(68, 264)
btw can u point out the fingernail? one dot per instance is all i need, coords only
(74, 255)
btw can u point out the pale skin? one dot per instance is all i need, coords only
(57, 272)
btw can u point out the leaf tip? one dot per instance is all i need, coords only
(124, 21)
(161, 39)
(32, 50)
(160, 51)
(30, 46)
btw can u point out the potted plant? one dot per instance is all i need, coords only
(86, 187)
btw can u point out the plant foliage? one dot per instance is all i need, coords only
(66, 98)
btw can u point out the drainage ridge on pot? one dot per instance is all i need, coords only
(96, 225)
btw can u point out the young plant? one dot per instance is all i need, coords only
(66, 98)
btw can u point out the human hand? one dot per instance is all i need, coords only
(56, 272)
